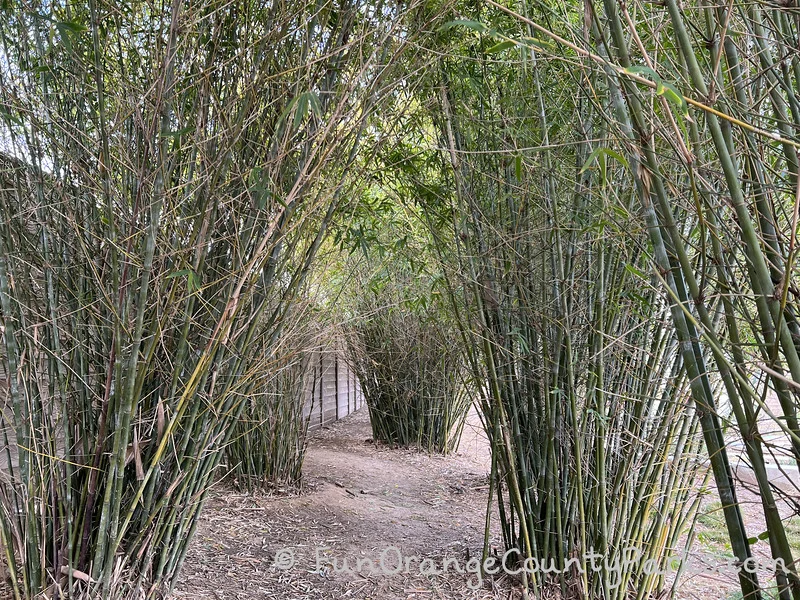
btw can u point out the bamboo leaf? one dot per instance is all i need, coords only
(4, 112)
(602, 152)
(501, 46)
(315, 104)
(67, 29)
(535, 43)
(764, 535)
(192, 280)
(301, 111)
(179, 132)
(72, 27)
(638, 272)
(673, 95)
(473, 25)
(642, 70)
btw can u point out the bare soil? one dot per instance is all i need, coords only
(359, 501)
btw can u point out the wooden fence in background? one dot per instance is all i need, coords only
(332, 390)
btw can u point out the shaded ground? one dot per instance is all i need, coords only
(361, 501)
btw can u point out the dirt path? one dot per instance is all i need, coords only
(361, 501)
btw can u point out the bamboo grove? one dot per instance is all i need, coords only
(409, 361)
(584, 394)
(170, 177)
(604, 195)
(677, 163)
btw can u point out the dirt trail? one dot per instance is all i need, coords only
(361, 501)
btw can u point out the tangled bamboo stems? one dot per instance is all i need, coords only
(411, 370)
(611, 195)
(718, 203)
(168, 178)
(586, 394)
